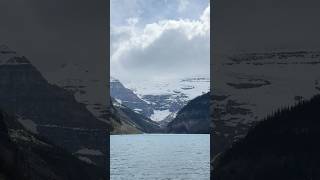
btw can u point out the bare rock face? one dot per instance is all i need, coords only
(126, 121)
(194, 118)
(49, 110)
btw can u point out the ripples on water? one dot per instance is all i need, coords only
(160, 157)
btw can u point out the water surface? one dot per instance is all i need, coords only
(160, 157)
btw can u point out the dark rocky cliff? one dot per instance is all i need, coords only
(193, 118)
(126, 121)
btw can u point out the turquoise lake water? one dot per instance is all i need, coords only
(160, 157)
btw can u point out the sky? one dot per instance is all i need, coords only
(264, 25)
(153, 39)
(51, 33)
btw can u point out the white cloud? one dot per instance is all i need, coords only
(167, 48)
(132, 21)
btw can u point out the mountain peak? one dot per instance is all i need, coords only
(10, 57)
(112, 79)
(4, 47)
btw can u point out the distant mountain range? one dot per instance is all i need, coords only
(128, 118)
(158, 100)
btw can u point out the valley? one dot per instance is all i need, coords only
(160, 102)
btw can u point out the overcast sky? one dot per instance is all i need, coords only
(159, 38)
(55, 32)
(259, 25)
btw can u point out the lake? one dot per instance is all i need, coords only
(160, 157)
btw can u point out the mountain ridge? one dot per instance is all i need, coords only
(127, 116)
(282, 146)
(50, 110)
(194, 118)
(161, 99)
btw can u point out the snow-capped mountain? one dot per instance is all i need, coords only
(10, 57)
(250, 86)
(165, 97)
(127, 97)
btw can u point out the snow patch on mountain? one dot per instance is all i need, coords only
(168, 96)
(137, 110)
(85, 159)
(118, 100)
(159, 115)
(191, 87)
(92, 152)
(28, 124)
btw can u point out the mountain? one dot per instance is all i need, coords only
(86, 86)
(49, 110)
(128, 98)
(248, 86)
(159, 99)
(193, 118)
(129, 121)
(27, 156)
(119, 122)
(282, 146)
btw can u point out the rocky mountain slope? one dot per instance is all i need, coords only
(159, 99)
(28, 156)
(250, 86)
(128, 98)
(129, 121)
(282, 146)
(87, 87)
(49, 110)
(118, 123)
(193, 118)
